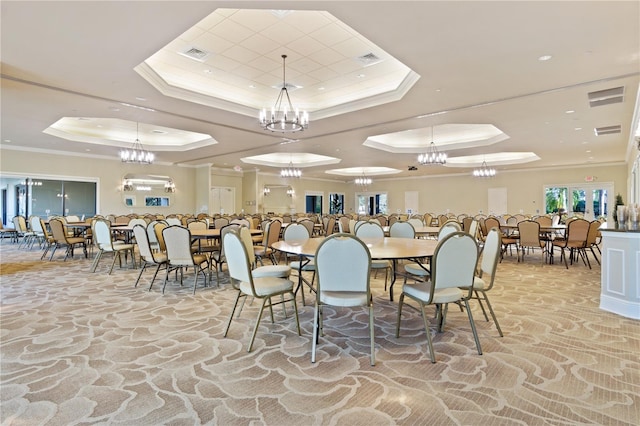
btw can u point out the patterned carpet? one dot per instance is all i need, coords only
(80, 348)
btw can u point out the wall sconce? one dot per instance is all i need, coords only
(170, 187)
(266, 191)
(290, 192)
(127, 186)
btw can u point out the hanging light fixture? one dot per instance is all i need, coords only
(170, 187)
(137, 154)
(290, 172)
(363, 181)
(484, 171)
(432, 156)
(284, 118)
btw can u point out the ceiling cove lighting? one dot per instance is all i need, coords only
(484, 171)
(290, 172)
(137, 154)
(432, 156)
(284, 117)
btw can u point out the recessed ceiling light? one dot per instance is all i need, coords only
(321, 88)
(252, 86)
(114, 109)
(588, 150)
(578, 128)
(360, 76)
(545, 58)
(438, 90)
(7, 140)
(88, 150)
(584, 142)
(569, 111)
(139, 98)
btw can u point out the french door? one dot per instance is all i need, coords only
(588, 200)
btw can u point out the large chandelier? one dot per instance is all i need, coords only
(363, 181)
(136, 154)
(484, 171)
(290, 172)
(432, 156)
(284, 118)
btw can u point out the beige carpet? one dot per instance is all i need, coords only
(80, 348)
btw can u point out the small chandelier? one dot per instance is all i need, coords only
(290, 172)
(484, 171)
(170, 187)
(137, 154)
(266, 191)
(432, 156)
(284, 118)
(363, 181)
(290, 192)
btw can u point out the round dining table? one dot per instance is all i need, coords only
(387, 248)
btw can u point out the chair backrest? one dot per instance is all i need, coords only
(454, 262)
(402, 230)
(446, 230)
(58, 230)
(224, 230)
(295, 231)
(177, 239)
(491, 222)
(392, 219)
(331, 225)
(245, 236)
(237, 260)
(416, 222)
(157, 229)
(173, 221)
(466, 223)
(273, 235)
(544, 220)
(344, 220)
(342, 263)
(73, 218)
(243, 222)
(220, 222)
(151, 233)
(142, 240)
(427, 218)
(512, 220)
(370, 230)
(529, 231)
(452, 222)
(197, 225)
(491, 255)
(137, 221)
(122, 219)
(577, 231)
(307, 223)
(35, 224)
(594, 229)
(102, 235)
(352, 226)
(472, 228)
(20, 223)
(555, 219)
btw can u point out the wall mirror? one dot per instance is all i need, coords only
(150, 188)
(277, 199)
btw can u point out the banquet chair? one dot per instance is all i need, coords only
(261, 288)
(151, 235)
(575, 242)
(62, 239)
(158, 227)
(148, 257)
(466, 223)
(373, 230)
(330, 227)
(592, 238)
(343, 263)
(104, 242)
(307, 223)
(453, 223)
(37, 231)
(485, 278)
(427, 219)
(260, 271)
(452, 274)
(402, 230)
(218, 257)
(344, 223)
(48, 242)
(448, 228)
(472, 229)
(220, 222)
(173, 221)
(180, 256)
(529, 232)
(271, 235)
(24, 234)
(11, 232)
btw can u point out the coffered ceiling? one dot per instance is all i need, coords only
(380, 80)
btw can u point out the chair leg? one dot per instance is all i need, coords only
(493, 315)
(314, 341)
(255, 329)
(142, 268)
(400, 303)
(235, 304)
(116, 255)
(96, 260)
(473, 327)
(371, 332)
(154, 276)
(481, 304)
(426, 327)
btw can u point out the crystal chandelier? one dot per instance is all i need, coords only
(137, 154)
(284, 118)
(290, 172)
(363, 181)
(484, 171)
(432, 156)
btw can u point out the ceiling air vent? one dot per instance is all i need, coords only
(606, 97)
(608, 130)
(368, 59)
(195, 53)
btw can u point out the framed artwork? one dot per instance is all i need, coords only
(130, 201)
(156, 201)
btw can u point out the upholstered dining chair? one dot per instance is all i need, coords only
(218, 257)
(485, 278)
(62, 239)
(261, 288)
(271, 235)
(343, 263)
(260, 271)
(180, 256)
(158, 227)
(529, 232)
(402, 230)
(374, 230)
(148, 257)
(294, 232)
(575, 242)
(452, 273)
(104, 242)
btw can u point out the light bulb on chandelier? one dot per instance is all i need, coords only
(290, 172)
(432, 156)
(484, 171)
(137, 154)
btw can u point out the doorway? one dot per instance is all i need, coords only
(588, 200)
(371, 204)
(223, 200)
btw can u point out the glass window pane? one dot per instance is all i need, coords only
(80, 198)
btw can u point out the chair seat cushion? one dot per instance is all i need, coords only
(421, 291)
(73, 240)
(380, 264)
(343, 298)
(478, 283)
(282, 271)
(415, 269)
(267, 285)
(199, 258)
